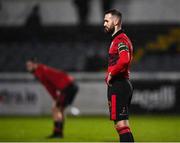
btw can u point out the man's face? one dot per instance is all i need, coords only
(109, 26)
(30, 66)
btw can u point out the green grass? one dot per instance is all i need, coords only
(92, 129)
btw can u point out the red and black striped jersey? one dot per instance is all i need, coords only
(120, 55)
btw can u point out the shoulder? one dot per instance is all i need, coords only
(122, 38)
(42, 67)
(45, 69)
(122, 42)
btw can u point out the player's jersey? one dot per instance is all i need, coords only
(120, 55)
(52, 79)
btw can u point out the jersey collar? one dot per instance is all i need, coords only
(116, 34)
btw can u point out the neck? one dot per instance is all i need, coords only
(116, 30)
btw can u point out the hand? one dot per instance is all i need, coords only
(109, 78)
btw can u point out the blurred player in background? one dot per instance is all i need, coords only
(119, 87)
(61, 87)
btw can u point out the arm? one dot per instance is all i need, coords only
(121, 64)
(123, 60)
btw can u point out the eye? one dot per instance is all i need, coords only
(105, 21)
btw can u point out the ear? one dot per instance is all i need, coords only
(116, 21)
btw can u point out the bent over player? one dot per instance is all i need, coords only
(119, 87)
(61, 87)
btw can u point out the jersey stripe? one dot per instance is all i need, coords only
(113, 107)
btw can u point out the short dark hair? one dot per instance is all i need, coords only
(114, 12)
(33, 59)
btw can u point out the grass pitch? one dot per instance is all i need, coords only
(89, 129)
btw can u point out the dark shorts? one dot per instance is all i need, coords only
(67, 95)
(119, 99)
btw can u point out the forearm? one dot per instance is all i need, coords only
(121, 63)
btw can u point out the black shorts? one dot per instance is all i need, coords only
(67, 95)
(119, 99)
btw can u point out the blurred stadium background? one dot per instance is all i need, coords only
(68, 34)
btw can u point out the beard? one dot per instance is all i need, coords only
(109, 30)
